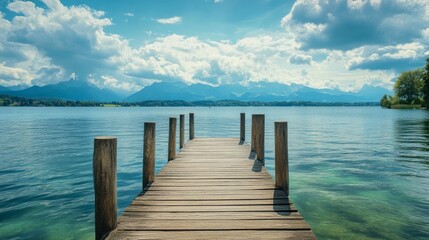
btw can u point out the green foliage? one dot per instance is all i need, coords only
(386, 101)
(426, 85)
(409, 87)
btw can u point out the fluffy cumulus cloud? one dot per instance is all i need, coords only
(399, 57)
(58, 41)
(373, 34)
(323, 44)
(347, 24)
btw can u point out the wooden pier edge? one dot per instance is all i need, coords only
(215, 189)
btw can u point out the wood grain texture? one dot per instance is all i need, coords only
(104, 167)
(214, 189)
(281, 156)
(182, 131)
(242, 126)
(172, 139)
(148, 153)
(258, 136)
(191, 126)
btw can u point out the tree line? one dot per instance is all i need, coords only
(6, 100)
(411, 88)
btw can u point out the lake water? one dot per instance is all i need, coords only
(356, 173)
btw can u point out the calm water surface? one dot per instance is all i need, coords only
(356, 173)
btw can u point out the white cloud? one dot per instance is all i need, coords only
(395, 57)
(300, 59)
(128, 14)
(340, 24)
(44, 45)
(172, 20)
(53, 42)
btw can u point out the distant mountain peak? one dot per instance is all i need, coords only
(253, 91)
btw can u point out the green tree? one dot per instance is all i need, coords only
(386, 101)
(409, 85)
(426, 84)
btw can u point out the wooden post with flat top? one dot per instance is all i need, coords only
(242, 127)
(191, 126)
(258, 136)
(281, 156)
(104, 172)
(172, 139)
(182, 131)
(149, 153)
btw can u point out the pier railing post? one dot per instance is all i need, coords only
(242, 126)
(104, 171)
(191, 126)
(172, 139)
(149, 153)
(258, 136)
(281, 156)
(182, 131)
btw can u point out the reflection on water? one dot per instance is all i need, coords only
(356, 173)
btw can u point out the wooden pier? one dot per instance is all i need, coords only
(214, 188)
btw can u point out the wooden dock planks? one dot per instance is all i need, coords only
(214, 189)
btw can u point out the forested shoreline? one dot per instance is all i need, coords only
(6, 100)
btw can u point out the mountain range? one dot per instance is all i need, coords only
(79, 90)
(255, 91)
(75, 90)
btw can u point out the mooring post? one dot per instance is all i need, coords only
(242, 126)
(172, 139)
(281, 156)
(182, 131)
(191, 126)
(149, 153)
(258, 136)
(104, 172)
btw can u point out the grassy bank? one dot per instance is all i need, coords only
(406, 106)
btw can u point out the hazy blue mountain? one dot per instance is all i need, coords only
(254, 91)
(4, 89)
(75, 90)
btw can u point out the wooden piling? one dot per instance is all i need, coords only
(281, 156)
(182, 131)
(242, 126)
(172, 139)
(252, 135)
(149, 153)
(104, 172)
(191, 126)
(258, 136)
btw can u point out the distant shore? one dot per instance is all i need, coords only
(6, 101)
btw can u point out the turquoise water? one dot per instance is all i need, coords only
(356, 173)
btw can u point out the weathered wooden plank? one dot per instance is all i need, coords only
(157, 197)
(224, 224)
(135, 216)
(240, 202)
(212, 188)
(267, 193)
(198, 235)
(209, 184)
(136, 206)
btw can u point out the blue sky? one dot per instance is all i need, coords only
(128, 44)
